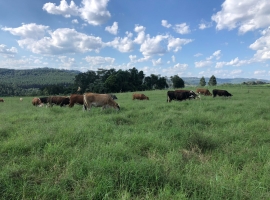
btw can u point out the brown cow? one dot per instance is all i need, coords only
(36, 101)
(139, 96)
(75, 99)
(99, 100)
(2, 100)
(203, 91)
(58, 100)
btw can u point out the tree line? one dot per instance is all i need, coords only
(49, 82)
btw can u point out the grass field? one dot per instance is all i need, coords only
(213, 148)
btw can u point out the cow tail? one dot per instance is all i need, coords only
(85, 104)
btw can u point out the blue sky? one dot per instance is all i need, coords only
(189, 38)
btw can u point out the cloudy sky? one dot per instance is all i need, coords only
(189, 38)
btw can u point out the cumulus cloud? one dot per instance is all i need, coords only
(262, 46)
(165, 23)
(122, 44)
(157, 62)
(215, 55)
(234, 62)
(7, 52)
(141, 34)
(32, 30)
(58, 42)
(203, 63)
(182, 28)
(245, 15)
(112, 29)
(178, 69)
(175, 44)
(74, 21)
(153, 46)
(198, 55)
(98, 60)
(94, 12)
(173, 58)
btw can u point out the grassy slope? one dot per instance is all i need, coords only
(216, 148)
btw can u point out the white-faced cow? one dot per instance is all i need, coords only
(99, 100)
(192, 95)
(203, 91)
(178, 95)
(224, 93)
(139, 96)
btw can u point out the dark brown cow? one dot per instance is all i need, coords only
(139, 96)
(36, 101)
(203, 91)
(2, 100)
(58, 100)
(99, 100)
(193, 95)
(178, 96)
(224, 93)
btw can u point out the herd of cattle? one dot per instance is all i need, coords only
(88, 100)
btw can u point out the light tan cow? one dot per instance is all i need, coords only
(36, 101)
(139, 96)
(99, 100)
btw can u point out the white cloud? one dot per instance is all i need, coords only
(165, 23)
(6, 52)
(198, 55)
(98, 60)
(175, 44)
(262, 46)
(74, 21)
(157, 62)
(260, 72)
(141, 34)
(216, 55)
(182, 28)
(203, 63)
(205, 25)
(122, 44)
(60, 41)
(32, 30)
(178, 69)
(235, 62)
(153, 46)
(112, 29)
(245, 15)
(94, 12)
(173, 58)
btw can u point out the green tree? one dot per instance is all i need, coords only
(177, 82)
(202, 81)
(212, 81)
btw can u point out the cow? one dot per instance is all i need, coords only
(224, 93)
(44, 100)
(36, 101)
(99, 100)
(2, 100)
(139, 96)
(58, 100)
(203, 91)
(76, 99)
(193, 95)
(178, 95)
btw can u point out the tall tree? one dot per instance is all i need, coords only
(202, 81)
(177, 82)
(212, 81)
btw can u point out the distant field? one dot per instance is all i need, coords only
(213, 148)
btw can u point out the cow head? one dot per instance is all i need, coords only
(117, 107)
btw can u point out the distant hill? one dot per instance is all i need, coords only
(196, 81)
(36, 78)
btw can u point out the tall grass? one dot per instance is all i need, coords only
(213, 148)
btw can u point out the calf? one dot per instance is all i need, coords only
(139, 97)
(205, 92)
(2, 100)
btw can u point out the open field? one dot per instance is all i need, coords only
(213, 148)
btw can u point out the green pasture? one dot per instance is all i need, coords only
(213, 148)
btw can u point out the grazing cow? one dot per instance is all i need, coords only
(2, 100)
(44, 100)
(203, 91)
(36, 101)
(139, 97)
(178, 95)
(99, 100)
(224, 93)
(58, 100)
(193, 95)
(113, 97)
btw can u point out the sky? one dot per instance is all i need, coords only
(188, 38)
